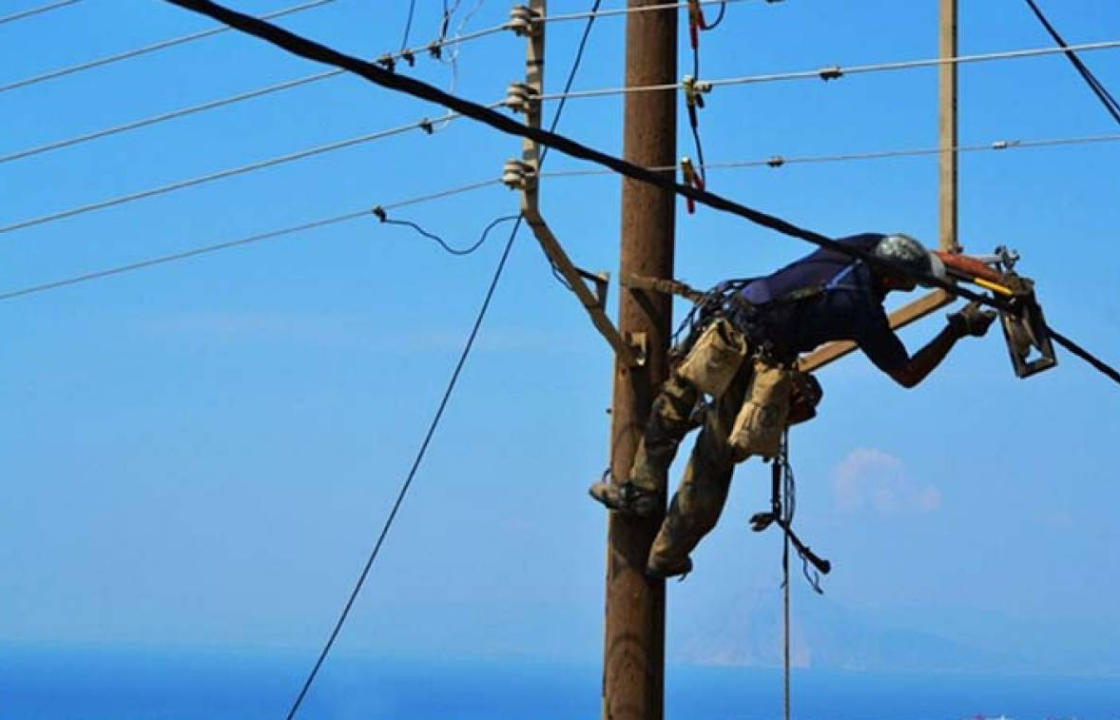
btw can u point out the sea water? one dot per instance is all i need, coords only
(99, 685)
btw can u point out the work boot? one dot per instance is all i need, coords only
(626, 498)
(661, 567)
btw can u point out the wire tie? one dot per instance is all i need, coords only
(409, 57)
(386, 61)
(434, 49)
(831, 73)
(776, 161)
(380, 213)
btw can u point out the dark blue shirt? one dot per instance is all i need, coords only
(849, 307)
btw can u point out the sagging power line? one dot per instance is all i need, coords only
(29, 12)
(162, 45)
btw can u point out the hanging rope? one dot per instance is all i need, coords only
(783, 504)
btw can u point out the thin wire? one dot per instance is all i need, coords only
(163, 117)
(838, 71)
(457, 40)
(21, 14)
(439, 412)
(411, 473)
(230, 172)
(408, 23)
(150, 48)
(777, 161)
(453, 250)
(180, 255)
(719, 17)
(442, 194)
(1095, 85)
(241, 241)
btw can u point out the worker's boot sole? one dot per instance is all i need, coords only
(625, 498)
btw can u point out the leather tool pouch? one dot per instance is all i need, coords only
(805, 397)
(762, 419)
(715, 358)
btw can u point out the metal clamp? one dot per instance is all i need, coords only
(693, 179)
(694, 90)
(524, 21)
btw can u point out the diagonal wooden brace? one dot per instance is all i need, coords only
(899, 318)
(630, 355)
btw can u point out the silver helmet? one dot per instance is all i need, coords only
(912, 257)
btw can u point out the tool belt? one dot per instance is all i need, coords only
(725, 331)
(715, 357)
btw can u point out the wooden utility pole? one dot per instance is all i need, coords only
(634, 651)
(947, 126)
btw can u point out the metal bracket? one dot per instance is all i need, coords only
(523, 175)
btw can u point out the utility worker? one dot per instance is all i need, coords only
(745, 360)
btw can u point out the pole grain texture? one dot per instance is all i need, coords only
(634, 649)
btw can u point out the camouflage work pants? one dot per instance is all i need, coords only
(699, 500)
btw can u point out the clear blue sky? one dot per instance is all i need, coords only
(199, 455)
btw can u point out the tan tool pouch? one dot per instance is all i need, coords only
(762, 419)
(715, 358)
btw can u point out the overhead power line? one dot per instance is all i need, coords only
(108, 59)
(21, 14)
(1095, 85)
(311, 50)
(174, 257)
(836, 71)
(773, 161)
(424, 124)
(778, 161)
(162, 117)
(309, 79)
(238, 242)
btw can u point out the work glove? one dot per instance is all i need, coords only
(971, 320)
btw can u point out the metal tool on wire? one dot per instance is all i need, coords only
(1024, 325)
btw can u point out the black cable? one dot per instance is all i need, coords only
(412, 471)
(314, 51)
(1085, 355)
(453, 250)
(1094, 84)
(439, 411)
(408, 24)
(719, 18)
